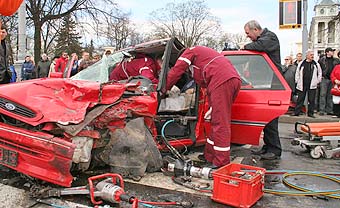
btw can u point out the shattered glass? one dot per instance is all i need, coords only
(99, 72)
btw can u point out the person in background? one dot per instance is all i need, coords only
(212, 71)
(317, 93)
(27, 69)
(108, 52)
(75, 65)
(85, 61)
(5, 75)
(327, 64)
(61, 63)
(13, 73)
(335, 78)
(307, 77)
(266, 41)
(288, 70)
(298, 59)
(52, 66)
(43, 67)
(96, 58)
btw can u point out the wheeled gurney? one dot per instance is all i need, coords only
(321, 139)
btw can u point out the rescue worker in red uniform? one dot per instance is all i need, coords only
(142, 65)
(213, 71)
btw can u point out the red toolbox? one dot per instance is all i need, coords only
(238, 185)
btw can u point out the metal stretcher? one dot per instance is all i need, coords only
(321, 139)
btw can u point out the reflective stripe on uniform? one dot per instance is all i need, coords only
(210, 142)
(185, 60)
(222, 149)
(145, 67)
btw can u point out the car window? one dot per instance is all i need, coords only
(255, 72)
(99, 72)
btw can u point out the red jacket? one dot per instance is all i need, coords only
(144, 66)
(60, 64)
(335, 73)
(208, 68)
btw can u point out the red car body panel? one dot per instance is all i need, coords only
(62, 101)
(38, 154)
(58, 100)
(253, 108)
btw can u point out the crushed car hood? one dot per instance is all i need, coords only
(55, 100)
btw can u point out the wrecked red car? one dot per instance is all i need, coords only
(51, 127)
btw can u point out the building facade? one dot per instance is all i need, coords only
(325, 26)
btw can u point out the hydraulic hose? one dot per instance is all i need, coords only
(168, 145)
(302, 190)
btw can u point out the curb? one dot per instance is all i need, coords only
(305, 119)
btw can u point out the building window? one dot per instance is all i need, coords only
(321, 32)
(322, 11)
(331, 31)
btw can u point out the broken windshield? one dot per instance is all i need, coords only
(99, 72)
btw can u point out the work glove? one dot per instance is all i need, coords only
(207, 115)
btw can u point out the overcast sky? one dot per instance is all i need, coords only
(233, 14)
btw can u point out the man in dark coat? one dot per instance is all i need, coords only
(327, 64)
(266, 41)
(27, 69)
(43, 66)
(5, 75)
(213, 71)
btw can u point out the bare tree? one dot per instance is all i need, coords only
(42, 11)
(49, 34)
(190, 21)
(238, 38)
(118, 30)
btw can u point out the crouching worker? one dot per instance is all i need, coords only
(213, 71)
(141, 65)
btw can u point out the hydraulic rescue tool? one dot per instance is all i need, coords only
(111, 190)
(185, 167)
(181, 166)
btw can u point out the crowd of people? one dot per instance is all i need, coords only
(46, 66)
(314, 79)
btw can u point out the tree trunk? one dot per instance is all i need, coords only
(37, 42)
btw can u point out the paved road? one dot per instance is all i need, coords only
(152, 187)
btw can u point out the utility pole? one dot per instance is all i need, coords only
(22, 33)
(305, 41)
(304, 29)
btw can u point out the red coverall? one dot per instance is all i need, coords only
(213, 71)
(144, 66)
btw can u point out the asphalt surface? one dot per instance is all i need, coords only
(157, 187)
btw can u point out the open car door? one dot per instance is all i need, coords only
(264, 95)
